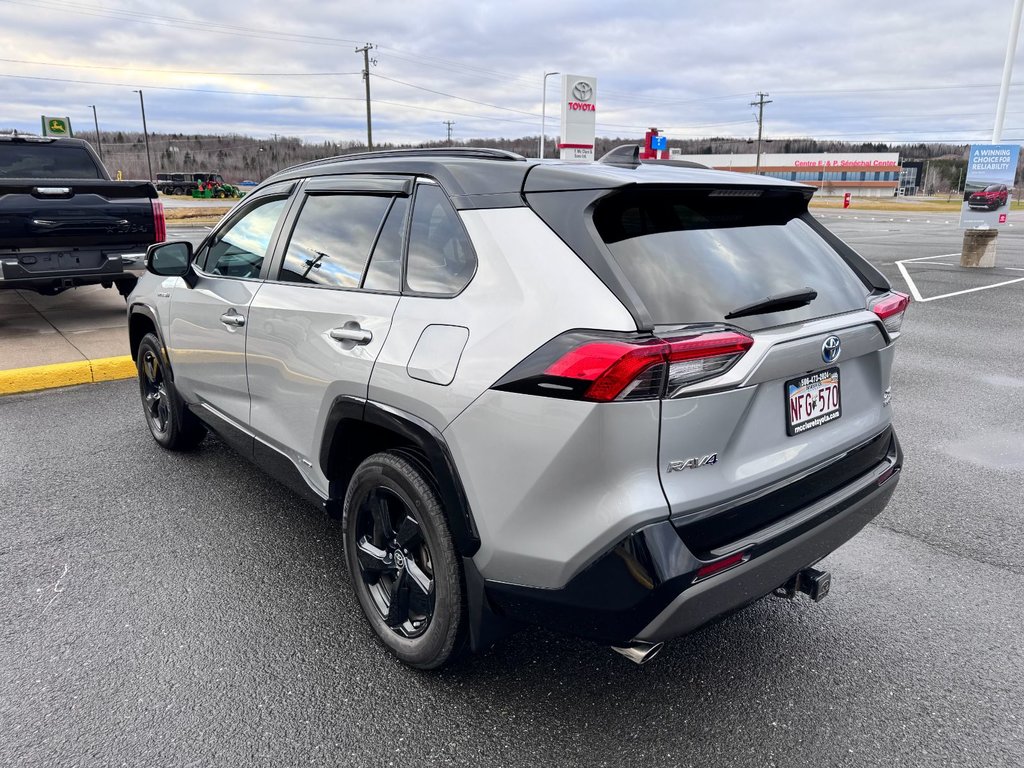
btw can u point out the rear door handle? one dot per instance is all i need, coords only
(357, 334)
(233, 319)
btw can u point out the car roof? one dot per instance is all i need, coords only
(492, 178)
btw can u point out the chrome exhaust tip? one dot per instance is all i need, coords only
(638, 651)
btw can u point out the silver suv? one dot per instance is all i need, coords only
(617, 400)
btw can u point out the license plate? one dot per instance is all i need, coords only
(812, 400)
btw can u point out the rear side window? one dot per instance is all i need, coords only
(46, 161)
(385, 271)
(441, 260)
(331, 242)
(694, 256)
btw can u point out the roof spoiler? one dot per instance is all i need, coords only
(628, 156)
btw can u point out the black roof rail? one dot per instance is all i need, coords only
(477, 153)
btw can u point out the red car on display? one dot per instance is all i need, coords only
(991, 197)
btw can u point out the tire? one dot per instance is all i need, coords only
(125, 286)
(170, 423)
(402, 561)
(179, 191)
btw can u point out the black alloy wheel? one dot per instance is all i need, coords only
(156, 399)
(394, 562)
(402, 561)
(171, 425)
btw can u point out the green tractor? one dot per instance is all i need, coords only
(214, 186)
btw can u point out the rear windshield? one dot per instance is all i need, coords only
(694, 256)
(46, 161)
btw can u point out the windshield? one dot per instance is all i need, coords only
(696, 255)
(46, 161)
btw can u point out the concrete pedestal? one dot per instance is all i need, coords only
(979, 249)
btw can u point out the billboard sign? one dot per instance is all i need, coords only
(991, 170)
(56, 126)
(579, 118)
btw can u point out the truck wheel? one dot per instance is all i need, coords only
(170, 423)
(402, 561)
(179, 191)
(125, 286)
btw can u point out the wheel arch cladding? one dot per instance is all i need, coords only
(356, 429)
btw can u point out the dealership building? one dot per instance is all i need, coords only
(862, 174)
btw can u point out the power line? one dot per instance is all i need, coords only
(180, 23)
(176, 71)
(268, 94)
(453, 96)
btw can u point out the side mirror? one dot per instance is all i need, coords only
(170, 259)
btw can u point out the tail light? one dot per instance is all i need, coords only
(159, 221)
(890, 309)
(585, 366)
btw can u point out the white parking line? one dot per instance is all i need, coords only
(917, 294)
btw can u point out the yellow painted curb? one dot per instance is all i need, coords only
(65, 374)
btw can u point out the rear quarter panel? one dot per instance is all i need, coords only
(529, 287)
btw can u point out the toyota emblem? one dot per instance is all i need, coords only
(830, 349)
(583, 91)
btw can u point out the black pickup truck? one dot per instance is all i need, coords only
(64, 223)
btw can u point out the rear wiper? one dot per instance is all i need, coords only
(777, 303)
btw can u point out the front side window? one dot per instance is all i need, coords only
(441, 260)
(239, 250)
(331, 242)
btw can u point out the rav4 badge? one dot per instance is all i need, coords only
(695, 463)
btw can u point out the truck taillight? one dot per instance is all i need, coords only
(590, 367)
(159, 221)
(890, 309)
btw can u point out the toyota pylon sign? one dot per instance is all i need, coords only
(579, 118)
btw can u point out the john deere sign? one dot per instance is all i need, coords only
(57, 126)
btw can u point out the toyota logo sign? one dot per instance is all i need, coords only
(582, 91)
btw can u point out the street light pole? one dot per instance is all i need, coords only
(979, 246)
(145, 131)
(96, 122)
(1004, 88)
(543, 110)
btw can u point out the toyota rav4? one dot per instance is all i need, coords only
(990, 198)
(617, 400)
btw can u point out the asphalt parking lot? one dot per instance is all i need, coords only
(186, 610)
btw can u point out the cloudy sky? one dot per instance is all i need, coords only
(866, 70)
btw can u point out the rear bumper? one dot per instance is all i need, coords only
(646, 588)
(58, 270)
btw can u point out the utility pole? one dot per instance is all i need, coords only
(365, 50)
(145, 131)
(449, 123)
(762, 99)
(96, 122)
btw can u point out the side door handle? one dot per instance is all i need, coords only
(233, 319)
(356, 334)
